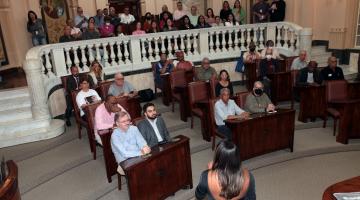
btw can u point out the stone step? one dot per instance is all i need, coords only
(29, 131)
(15, 115)
(15, 103)
(14, 93)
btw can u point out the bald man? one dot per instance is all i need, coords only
(258, 101)
(332, 71)
(205, 72)
(121, 88)
(299, 62)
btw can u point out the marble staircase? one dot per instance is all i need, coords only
(17, 124)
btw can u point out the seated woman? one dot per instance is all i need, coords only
(202, 23)
(186, 25)
(270, 50)
(86, 96)
(169, 26)
(96, 74)
(225, 177)
(138, 30)
(224, 82)
(231, 20)
(154, 27)
(107, 29)
(118, 30)
(210, 17)
(258, 101)
(252, 55)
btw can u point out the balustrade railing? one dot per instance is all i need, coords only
(128, 53)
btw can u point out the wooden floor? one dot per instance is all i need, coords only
(13, 78)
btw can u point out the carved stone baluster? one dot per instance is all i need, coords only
(112, 53)
(151, 51)
(126, 52)
(278, 37)
(157, 57)
(292, 40)
(177, 44)
(119, 53)
(217, 43)
(297, 41)
(248, 37)
(76, 58)
(163, 49)
(256, 34)
(188, 46)
(48, 64)
(195, 44)
(242, 40)
(286, 37)
(211, 45)
(224, 43)
(261, 45)
(98, 56)
(236, 40)
(143, 50)
(43, 63)
(83, 59)
(68, 59)
(91, 53)
(182, 43)
(106, 55)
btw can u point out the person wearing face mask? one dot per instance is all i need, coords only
(252, 55)
(104, 115)
(107, 29)
(258, 101)
(153, 127)
(270, 50)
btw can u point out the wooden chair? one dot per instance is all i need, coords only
(213, 82)
(240, 98)
(294, 76)
(335, 90)
(110, 162)
(79, 121)
(90, 114)
(213, 127)
(288, 62)
(104, 88)
(197, 91)
(9, 190)
(177, 79)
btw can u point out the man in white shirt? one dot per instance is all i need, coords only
(179, 13)
(86, 96)
(153, 127)
(226, 108)
(299, 62)
(126, 17)
(81, 21)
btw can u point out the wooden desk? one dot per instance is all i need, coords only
(131, 104)
(251, 74)
(166, 171)
(184, 103)
(349, 126)
(312, 102)
(281, 86)
(166, 90)
(205, 122)
(263, 133)
(354, 89)
(350, 185)
(9, 190)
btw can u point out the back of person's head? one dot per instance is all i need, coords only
(227, 164)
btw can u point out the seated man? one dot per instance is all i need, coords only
(67, 37)
(153, 127)
(90, 33)
(332, 71)
(309, 75)
(86, 96)
(226, 108)
(205, 72)
(181, 63)
(162, 67)
(299, 62)
(252, 55)
(121, 88)
(258, 101)
(126, 17)
(126, 140)
(104, 115)
(72, 83)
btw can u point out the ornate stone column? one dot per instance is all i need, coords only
(39, 107)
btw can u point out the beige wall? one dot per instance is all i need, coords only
(332, 20)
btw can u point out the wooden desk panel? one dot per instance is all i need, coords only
(349, 126)
(131, 104)
(281, 86)
(166, 171)
(354, 90)
(350, 185)
(251, 74)
(312, 102)
(263, 133)
(184, 102)
(166, 90)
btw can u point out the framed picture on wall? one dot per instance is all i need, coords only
(3, 56)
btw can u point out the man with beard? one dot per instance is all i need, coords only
(104, 115)
(153, 127)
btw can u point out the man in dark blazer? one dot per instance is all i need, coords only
(309, 75)
(72, 83)
(153, 127)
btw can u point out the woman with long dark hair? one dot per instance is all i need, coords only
(225, 178)
(201, 23)
(210, 17)
(36, 28)
(186, 23)
(225, 11)
(224, 82)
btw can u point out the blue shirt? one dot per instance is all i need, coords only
(127, 144)
(222, 111)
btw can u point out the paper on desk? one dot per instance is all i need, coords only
(347, 196)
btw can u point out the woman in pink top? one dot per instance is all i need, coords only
(107, 29)
(138, 30)
(104, 115)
